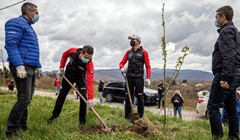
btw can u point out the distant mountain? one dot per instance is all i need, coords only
(115, 74)
(190, 75)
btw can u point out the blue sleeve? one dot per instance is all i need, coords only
(13, 34)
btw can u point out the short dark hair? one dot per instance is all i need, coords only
(88, 49)
(27, 6)
(226, 11)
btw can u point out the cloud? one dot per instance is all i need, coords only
(106, 25)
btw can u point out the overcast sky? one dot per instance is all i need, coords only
(106, 24)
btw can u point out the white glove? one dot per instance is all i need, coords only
(148, 82)
(89, 104)
(123, 71)
(61, 71)
(39, 73)
(21, 72)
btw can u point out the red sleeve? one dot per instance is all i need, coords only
(65, 56)
(124, 60)
(90, 80)
(147, 64)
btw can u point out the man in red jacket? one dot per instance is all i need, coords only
(136, 57)
(79, 70)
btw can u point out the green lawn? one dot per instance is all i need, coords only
(66, 126)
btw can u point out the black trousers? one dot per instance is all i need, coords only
(159, 99)
(25, 88)
(64, 89)
(138, 84)
(218, 95)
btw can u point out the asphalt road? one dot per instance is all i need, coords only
(186, 114)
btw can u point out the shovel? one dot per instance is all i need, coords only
(134, 116)
(106, 128)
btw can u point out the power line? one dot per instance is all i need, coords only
(11, 5)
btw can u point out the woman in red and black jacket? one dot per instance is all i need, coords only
(79, 70)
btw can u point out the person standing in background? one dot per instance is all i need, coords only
(160, 93)
(177, 101)
(56, 85)
(100, 90)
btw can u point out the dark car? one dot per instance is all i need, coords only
(115, 91)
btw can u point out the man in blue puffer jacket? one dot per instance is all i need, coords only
(22, 47)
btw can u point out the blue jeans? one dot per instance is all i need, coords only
(218, 95)
(100, 96)
(56, 89)
(177, 109)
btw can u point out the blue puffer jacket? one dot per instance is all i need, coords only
(21, 42)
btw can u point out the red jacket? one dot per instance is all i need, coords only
(146, 62)
(89, 71)
(57, 83)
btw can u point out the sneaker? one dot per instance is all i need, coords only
(51, 120)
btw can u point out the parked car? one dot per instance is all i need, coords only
(116, 91)
(201, 107)
(203, 97)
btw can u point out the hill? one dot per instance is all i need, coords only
(115, 74)
(190, 75)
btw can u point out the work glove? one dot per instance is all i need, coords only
(123, 71)
(89, 104)
(21, 72)
(61, 72)
(39, 73)
(148, 82)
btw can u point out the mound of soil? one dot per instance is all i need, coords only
(141, 126)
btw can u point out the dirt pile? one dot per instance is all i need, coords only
(141, 126)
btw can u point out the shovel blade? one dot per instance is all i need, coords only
(134, 117)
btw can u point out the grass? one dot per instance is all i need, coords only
(66, 126)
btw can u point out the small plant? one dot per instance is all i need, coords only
(179, 63)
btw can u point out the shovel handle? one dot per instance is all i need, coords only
(91, 108)
(129, 95)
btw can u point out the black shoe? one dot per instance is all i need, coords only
(82, 124)
(11, 133)
(129, 120)
(51, 120)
